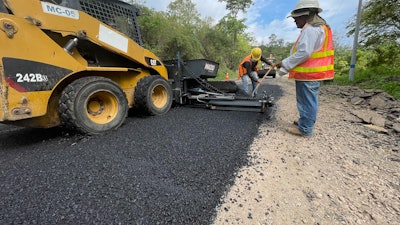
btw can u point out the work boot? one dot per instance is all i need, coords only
(295, 131)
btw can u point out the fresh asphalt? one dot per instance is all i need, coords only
(170, 169)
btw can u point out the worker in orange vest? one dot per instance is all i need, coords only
(248, 69)
(310, 62)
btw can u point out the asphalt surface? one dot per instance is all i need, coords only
(170, 169)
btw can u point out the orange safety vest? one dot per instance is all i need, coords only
(320, 65)
(243, 70)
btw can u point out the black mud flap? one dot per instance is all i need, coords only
(232, 102)
(239, 105)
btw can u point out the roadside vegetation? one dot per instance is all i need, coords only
(181, 29)
(378, 56)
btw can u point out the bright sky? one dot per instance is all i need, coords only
(268, 17)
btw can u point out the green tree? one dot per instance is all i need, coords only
(184, 28)
(234, 31)
(177, 30)
(235, 6)
(155, 31)
(380, 22)
(184, 12)
(380, 32)
(232, 27)
(231, 21)
(378, 56)
(214, 41)
(277, 47)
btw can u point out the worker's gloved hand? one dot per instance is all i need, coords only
(282, 71)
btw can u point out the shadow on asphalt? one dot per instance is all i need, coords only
(169, 169)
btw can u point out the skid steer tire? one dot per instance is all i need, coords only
(153, 96)
(93, 105)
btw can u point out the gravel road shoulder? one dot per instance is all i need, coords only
(345, 174)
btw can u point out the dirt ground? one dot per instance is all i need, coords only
(345, 174)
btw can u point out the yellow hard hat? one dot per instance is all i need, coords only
(256, 53)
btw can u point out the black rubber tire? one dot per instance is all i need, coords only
(153, 95)
(93, 105)
(272, 73)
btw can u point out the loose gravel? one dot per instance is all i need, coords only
(347, 173)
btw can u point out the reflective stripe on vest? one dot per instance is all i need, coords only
(320, 65)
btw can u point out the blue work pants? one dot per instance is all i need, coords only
(245, 83)
(307, 104)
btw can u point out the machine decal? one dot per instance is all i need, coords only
(113, 38)
(15, 85)
(209, 67)
(27, 76)
(31, 77)
(60, 11)
(152, 62)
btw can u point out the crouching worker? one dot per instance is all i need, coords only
(248, 69)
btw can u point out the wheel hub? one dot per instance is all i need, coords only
(102, 107)
(95, 107)
(159, 96)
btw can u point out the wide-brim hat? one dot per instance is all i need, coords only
(304, 7)
(298, 13)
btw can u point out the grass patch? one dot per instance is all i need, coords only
(383, 78)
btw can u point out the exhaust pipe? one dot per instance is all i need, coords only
(70, 45)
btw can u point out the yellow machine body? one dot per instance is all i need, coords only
(39, 58)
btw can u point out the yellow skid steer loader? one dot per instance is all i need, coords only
(82, 64)
(61, 65)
